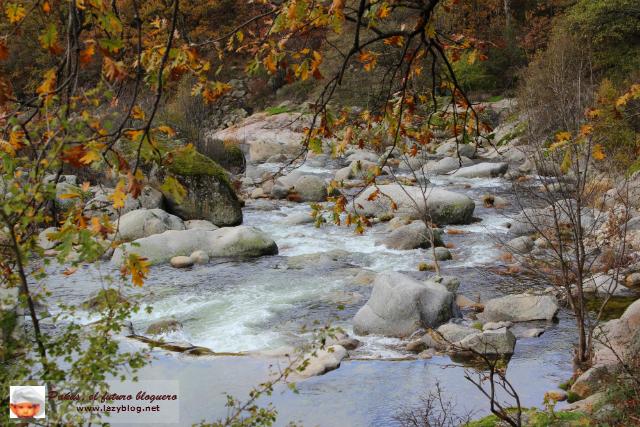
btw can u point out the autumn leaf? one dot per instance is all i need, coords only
(271, 63)
(394, 41)
(46, 7)
(15, 12)
(49, 39)
(137, 113)
(90, 157)
(114, 70)
(137, 267)
(48, 84)
(373, 196)
(368, 59)
(586, 130)
(118, 196)
(86, 54)
(337, 7)
(166, 130)
(598, 152)
(563, 136)
(384, 11)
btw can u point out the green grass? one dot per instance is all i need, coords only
(272, 111)
(537, 418)
(495, 98)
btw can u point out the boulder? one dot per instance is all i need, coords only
(267, 135)
(604, 284)
(200, 224)
(520, 308)
(442, 206)
(482, 170)
(163, 327)
(520, 245)
(323, 361)
(412, 236)
(310, 188)
(594, 379)
(453, 332)
(330, 259)
(400, 305)
(229, 241)
(209, 195)
(141, 223)
(618, 338)
(181, 261)
(442, 254)
(149, 198)
(445, 165)
(495, 342)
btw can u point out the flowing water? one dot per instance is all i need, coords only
(232, 305)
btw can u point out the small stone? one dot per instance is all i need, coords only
(416, 346)
(632, 281)
(532, 333)
(181, 261)
(442, 254)
(492, 326)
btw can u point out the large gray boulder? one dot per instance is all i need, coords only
(412, 236)
(210, 195)
(442, 206)
(482, 170)
(146, 222)
(230, 241)
(445, 165)
(520, 308)
(400, 305)
(604, 284)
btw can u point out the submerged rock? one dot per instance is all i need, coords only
(400, 305)
(412, 236)
(164, 326)
(230, 241)
(520, 308)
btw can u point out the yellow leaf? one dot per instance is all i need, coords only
(586, 130)
(48, 84)
(90, 157)
(118, 196)
(16, 138)
(167, 130)
(598, 153)
(137, 113)
(563, 136)
(15, 12)
(384, 11)
(67, 196)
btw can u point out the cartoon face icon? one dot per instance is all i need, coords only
(27, 402)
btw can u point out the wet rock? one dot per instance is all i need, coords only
(532, 333)
(442, 206)
(416, 346)
(324, 361)
(364, 277)
(452, 283)
(164, 326)
(482, 170)
(199, 257)
(103, 299)
(181, 262)
(311, 189)
(330, 259)
(230, 241)
(520, 245)
(453, 332)
(520, 308)
(397, 222)
(141, 223)
(490, 326)
(200, 224)
(299, 219)
(442, 254)
(412, 236)
(400, 305)
(445, 165)
(496, 342)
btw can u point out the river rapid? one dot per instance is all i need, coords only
(259, 305)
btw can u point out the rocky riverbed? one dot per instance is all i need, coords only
(256, 290)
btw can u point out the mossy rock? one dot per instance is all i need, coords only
(209, 192)
(164, 326)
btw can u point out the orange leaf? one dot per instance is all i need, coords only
(48, 84)
(598, 152)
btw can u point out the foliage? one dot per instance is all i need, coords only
(612, 28)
